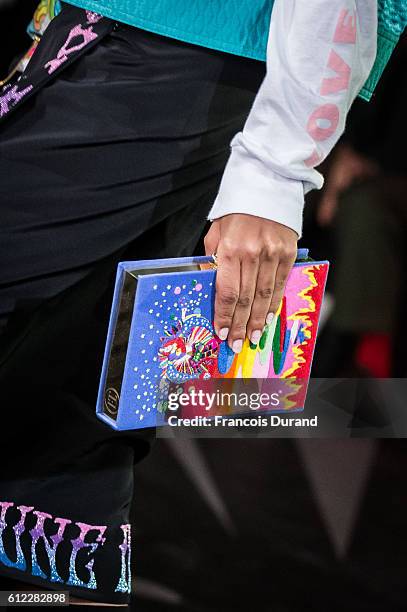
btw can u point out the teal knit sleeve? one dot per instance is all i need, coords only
(392, 22)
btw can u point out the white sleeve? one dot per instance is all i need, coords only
(319, 54)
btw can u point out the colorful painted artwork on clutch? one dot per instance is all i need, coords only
(190, 349)
(180, 326)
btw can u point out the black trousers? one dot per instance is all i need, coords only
(119, 156)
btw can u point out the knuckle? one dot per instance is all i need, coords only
(229, 248)
(270, 251)
(223, 320)
(228, 257)
(238, 329)
(279, 246)
(244, 301)
(228, 297)
(280, 284)
(252, 253)
(288, 253)
(257, 322)
(264, 293)
(275, 303)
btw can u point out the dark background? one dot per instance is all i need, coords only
(14, 18)
(264, 525)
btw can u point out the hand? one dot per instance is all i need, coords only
(254, 258)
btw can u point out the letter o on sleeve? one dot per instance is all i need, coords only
(327, 113)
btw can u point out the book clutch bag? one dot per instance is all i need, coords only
(161, 340)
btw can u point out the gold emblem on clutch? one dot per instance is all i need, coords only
(111, 401)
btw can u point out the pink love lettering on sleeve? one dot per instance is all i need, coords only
(324, 120)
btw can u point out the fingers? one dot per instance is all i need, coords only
(248, 293)
(261, 306)
(211, 239)
(254, 258)
(227, 292)
(283, 271)
(248, 275)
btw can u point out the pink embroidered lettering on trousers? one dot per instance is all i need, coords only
(54, 537)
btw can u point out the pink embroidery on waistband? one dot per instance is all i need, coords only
(93, 17)
(11, 97)
(63, 54)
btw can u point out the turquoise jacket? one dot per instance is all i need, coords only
(235, 26)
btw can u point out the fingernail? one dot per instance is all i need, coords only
(255, 337)
(237, 346)
(223, 333)
(269, 318)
